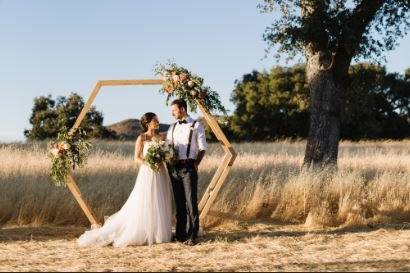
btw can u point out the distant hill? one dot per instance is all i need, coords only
(130, 129)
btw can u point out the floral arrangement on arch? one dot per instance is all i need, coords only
(181, 83)
(67, 152)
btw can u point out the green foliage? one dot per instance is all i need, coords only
(276, 104)
(67, 153)
(377, 104)
(345, 28)
(49, 117)
(271, 105)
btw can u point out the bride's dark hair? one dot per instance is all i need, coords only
(146, 119)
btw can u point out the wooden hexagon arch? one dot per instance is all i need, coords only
(217, 180)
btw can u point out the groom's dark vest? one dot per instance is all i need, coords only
(191, 129)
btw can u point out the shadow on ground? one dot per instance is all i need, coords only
(236, 230)
(245, 228)
(40, 233)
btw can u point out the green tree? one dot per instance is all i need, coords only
(270, 105)
(50, 116)
(330, 34)
(377, 104)
(275, 105)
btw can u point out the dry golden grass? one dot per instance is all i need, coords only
(372, 185)
(345, 220)
(256, 247)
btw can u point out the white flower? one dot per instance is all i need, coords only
(165, 76)
(190, 83)
(55, 152)
(175, 78)
(66, 146)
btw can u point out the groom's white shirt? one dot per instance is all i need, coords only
(181, 138)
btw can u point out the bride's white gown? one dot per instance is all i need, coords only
(145, 218)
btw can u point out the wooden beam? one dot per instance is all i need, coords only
(72, 186)
(86, 107)
(222, 172)
(131, 82)
(213, 123)
(217, 180)
(215, 192)
(213, 182)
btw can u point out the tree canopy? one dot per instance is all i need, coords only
(49, 116)
(337, 25)
(275, 104)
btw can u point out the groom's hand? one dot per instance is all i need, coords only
(198, 160)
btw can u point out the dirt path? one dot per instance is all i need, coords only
(257, 247)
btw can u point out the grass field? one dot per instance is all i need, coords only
(372, 185)
(270, 215)
(243, 247)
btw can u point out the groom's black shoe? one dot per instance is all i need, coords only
(190, 242)
(176, 239)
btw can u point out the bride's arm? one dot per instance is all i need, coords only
(139, 145)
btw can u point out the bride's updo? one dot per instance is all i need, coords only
(146, 119)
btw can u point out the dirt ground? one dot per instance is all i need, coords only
(244, 247)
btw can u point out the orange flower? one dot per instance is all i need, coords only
(169, 88)
(60, 146)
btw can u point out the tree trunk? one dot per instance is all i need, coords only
(325, 104)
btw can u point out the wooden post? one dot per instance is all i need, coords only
(217, 180)
(72, 185)
(86, 107)
(222, 172)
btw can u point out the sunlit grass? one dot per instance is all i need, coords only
(371, 186)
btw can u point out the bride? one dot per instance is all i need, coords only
(146, 217)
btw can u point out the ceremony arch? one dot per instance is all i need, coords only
(217, 180)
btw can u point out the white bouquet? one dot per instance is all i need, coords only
(160, 152)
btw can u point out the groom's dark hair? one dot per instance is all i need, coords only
(180, 103)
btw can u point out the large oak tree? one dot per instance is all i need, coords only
(330, 34)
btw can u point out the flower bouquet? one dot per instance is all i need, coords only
(160, 152)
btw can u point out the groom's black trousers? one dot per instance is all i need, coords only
(184, 178)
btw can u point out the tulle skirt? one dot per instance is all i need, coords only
(145, 218)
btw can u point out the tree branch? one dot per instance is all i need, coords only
(352, 32)
(356, 25)
(313, 13)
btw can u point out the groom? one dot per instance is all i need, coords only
(188, 137)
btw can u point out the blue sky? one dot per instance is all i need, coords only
(59, 47)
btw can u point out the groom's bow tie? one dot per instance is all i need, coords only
(182, 121)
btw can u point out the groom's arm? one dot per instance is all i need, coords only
(199, 158)
(202, 145)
